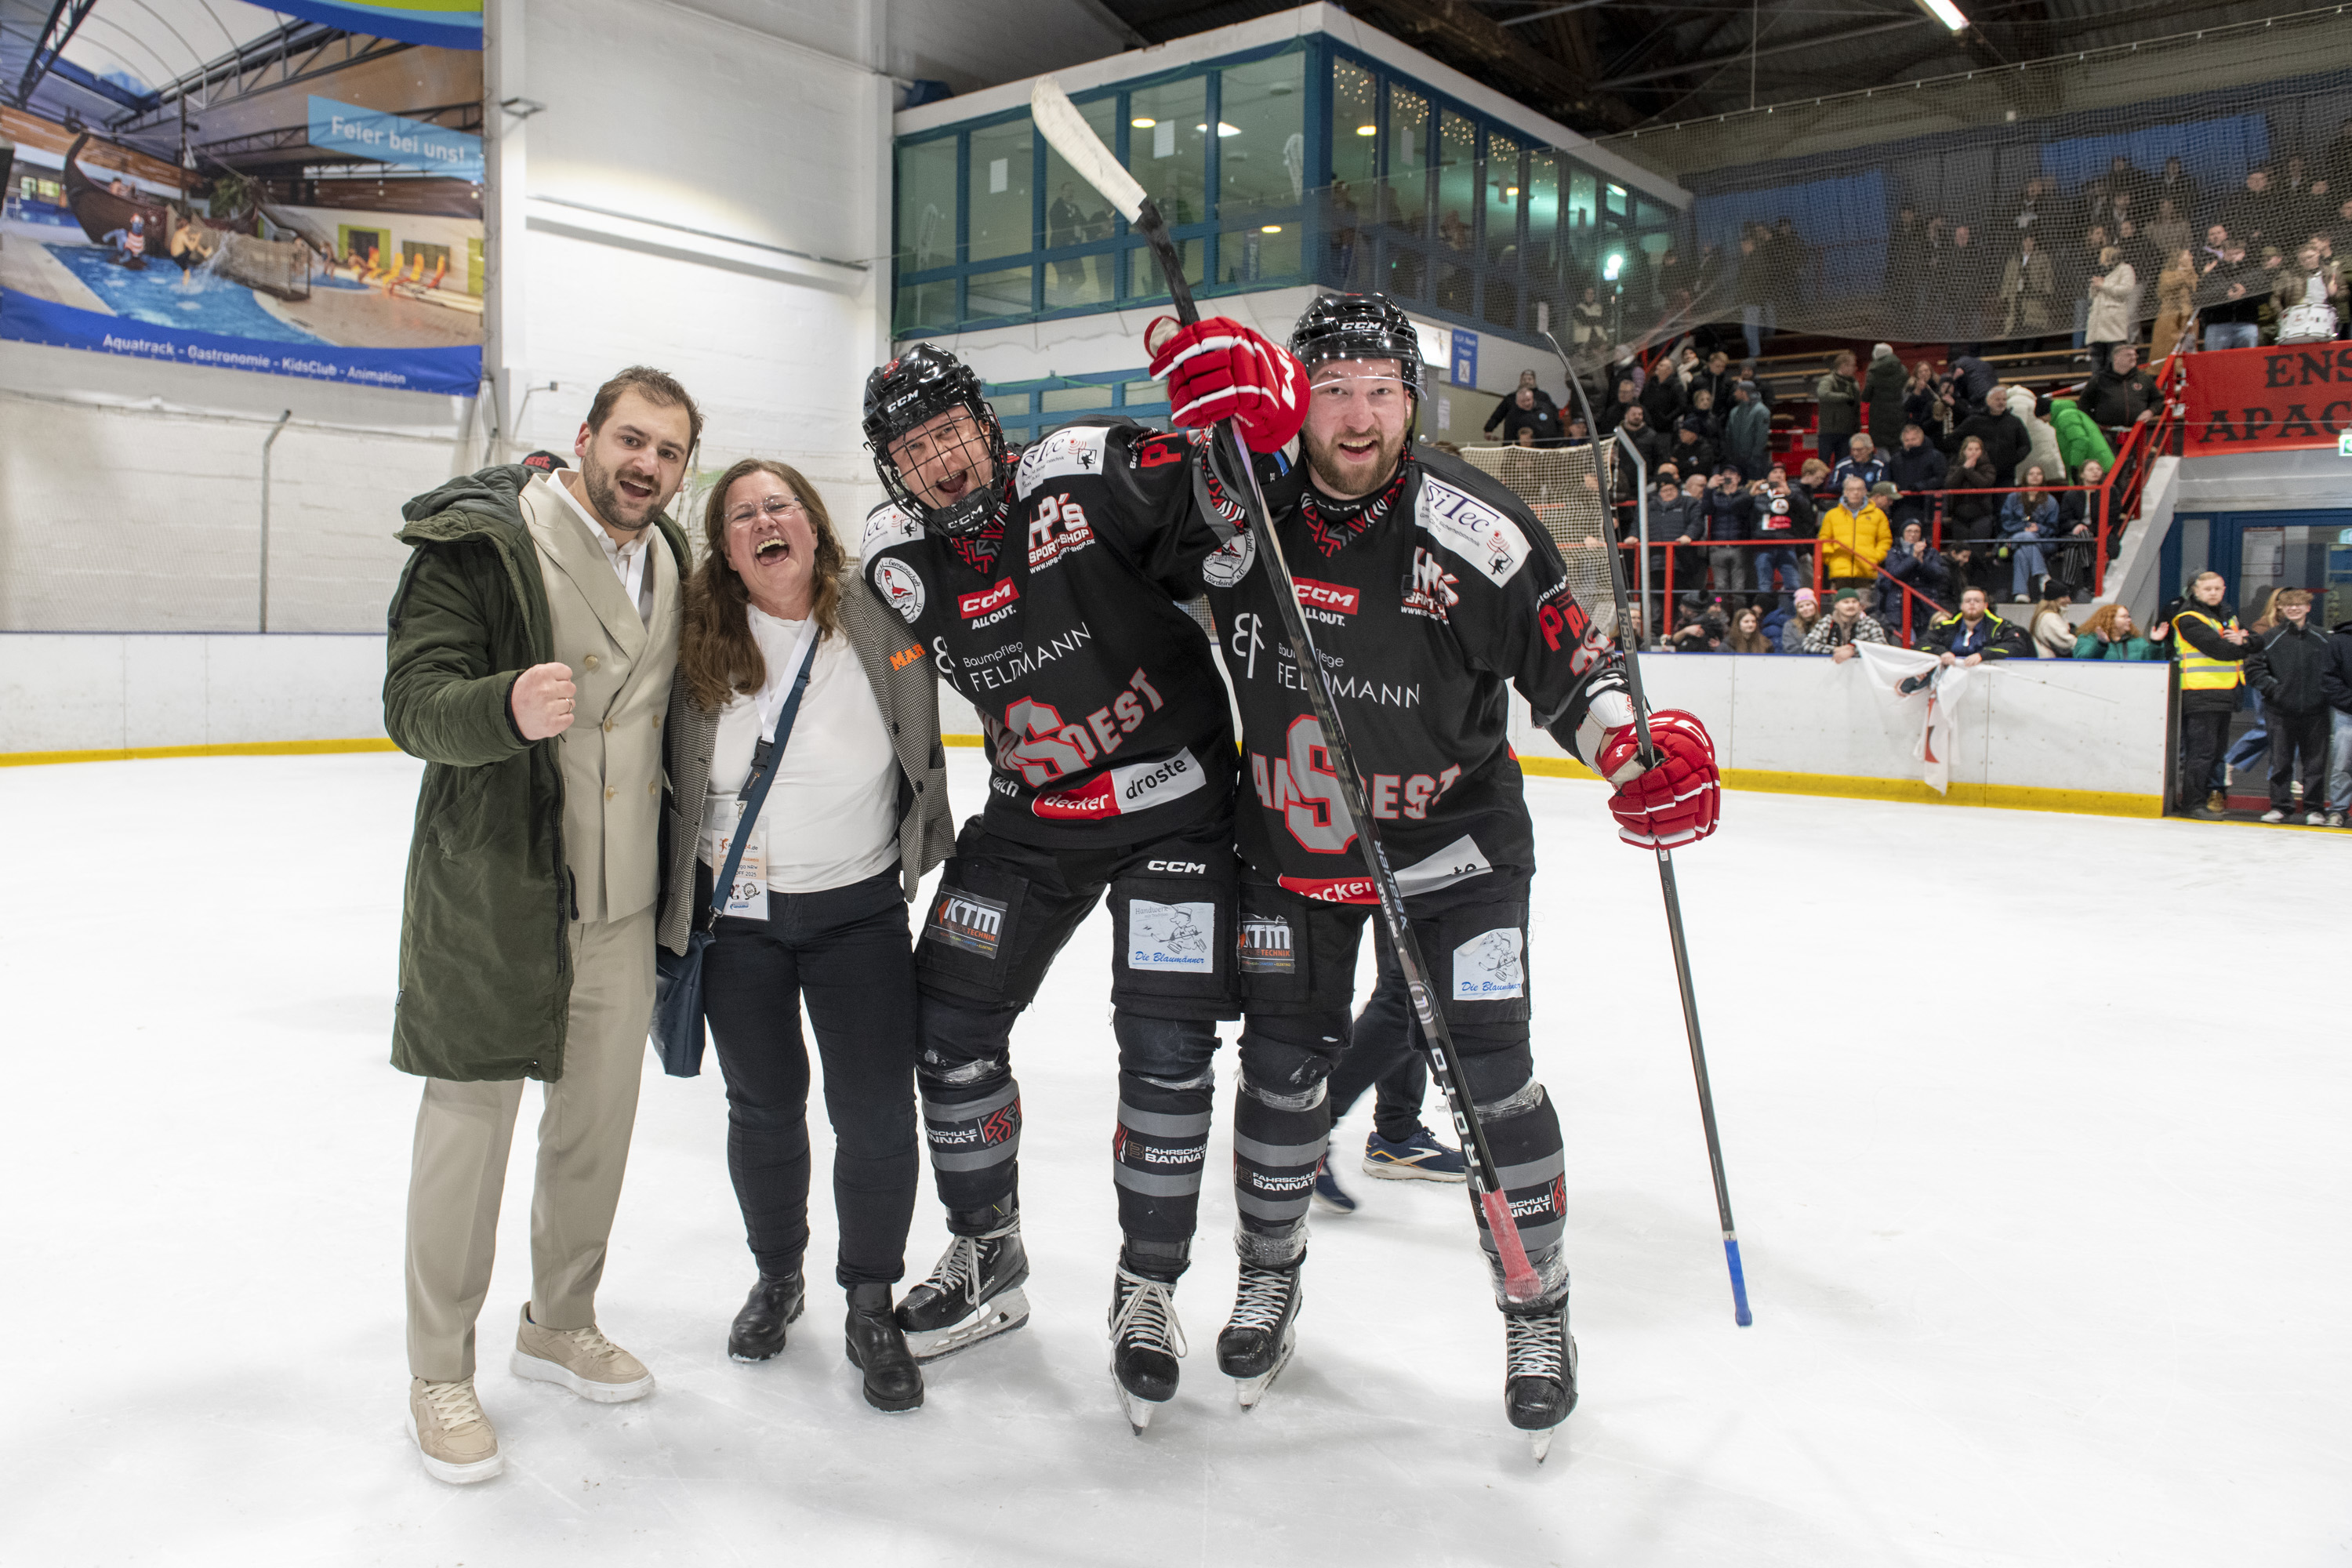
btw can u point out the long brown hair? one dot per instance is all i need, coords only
(716, 652)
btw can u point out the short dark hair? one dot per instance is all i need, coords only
(655, 386)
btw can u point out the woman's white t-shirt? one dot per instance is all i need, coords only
(831, 817)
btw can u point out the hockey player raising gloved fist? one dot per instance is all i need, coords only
(1428, 586)
(1218, 369)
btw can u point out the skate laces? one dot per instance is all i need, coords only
(1263, 1293)
(1146, 1315)
(1534, 1347)
(453, 1405)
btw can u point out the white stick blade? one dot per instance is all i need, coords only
(1067, 131)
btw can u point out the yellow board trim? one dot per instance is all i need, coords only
(2013, 797)
(232, 749)
(1848, 786)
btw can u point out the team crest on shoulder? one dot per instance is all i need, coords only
(1228, 566)
(885, 525)
(1478, 533)
(1076, 450)
(902, 587)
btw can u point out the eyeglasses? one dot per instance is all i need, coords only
(776, 507)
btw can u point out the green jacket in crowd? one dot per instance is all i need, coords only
(2080, 439)
(485, 954)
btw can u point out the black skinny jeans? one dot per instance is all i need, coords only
(1384, 1048)
(846, 952)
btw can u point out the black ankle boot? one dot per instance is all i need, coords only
(879, 1349)
(759, 1331)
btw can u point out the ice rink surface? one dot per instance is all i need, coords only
(2035, 1127)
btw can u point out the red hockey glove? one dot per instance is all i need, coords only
(1218, 369)
(1674, 803)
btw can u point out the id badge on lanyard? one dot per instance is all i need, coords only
(747, 895)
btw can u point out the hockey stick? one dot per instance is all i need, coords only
(1649, 753)
(1060, 124)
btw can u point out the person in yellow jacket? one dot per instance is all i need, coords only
(1854, 539)
(2211, 646)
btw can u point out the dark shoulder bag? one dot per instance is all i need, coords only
(677, 1028)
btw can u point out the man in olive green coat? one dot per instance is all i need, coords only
(533, 638)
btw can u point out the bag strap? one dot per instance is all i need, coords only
(754, 793)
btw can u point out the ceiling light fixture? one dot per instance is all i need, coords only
(1143, 122)
(1368, 130)
(1947, 13)
(1270, 228)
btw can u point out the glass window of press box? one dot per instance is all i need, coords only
(1306, 163)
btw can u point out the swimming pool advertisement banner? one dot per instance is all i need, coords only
(307, 203)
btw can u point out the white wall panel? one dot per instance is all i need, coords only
(67, 692)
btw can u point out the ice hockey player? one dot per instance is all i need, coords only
(1050, 590)
(1427, 587)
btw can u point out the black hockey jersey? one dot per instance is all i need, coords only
(1424, 600)
(1105, 718)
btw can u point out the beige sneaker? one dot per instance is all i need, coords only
(456, 1440)
(581, 1359)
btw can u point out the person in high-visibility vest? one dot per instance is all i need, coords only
(2211, 646)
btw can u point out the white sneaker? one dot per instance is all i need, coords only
(2274, 814)
(2334, 819)
(453, 1437)
(2314, 820)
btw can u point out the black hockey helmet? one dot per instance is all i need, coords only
(1358, 326)
(919, 385)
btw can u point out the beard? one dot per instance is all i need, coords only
(609, 501)
(1323, 462)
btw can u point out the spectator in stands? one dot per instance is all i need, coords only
(1728, 523)
(1783, 516)
(1748, 434)
(2121, 392)
(1715, 377)
(2079, 514)
(1790, 627)
(2109, 633)
(2051, 633)
(1974, 634)
(1863, 459)
(1927, 401)
(2029, 521)
(2168, 233)
(1511, 401)
(1920, 567)
(2080, 439)
(2028, 218)
(1747, 372)
(1907, 265)
(1578, 433)
(1675, 520)
(1917, 469)
(2113, 289)
(1636, 428)
(1531, 416)
(1854, 537)
(1692, 449)
(1846, 625)
(2029, 290)
(2000, 433)
(1747, 633)
(2217, 245)
(1813, 479)
(1971, 517)
(1973, 381)
(2211, 647)
(2230, 299)
(2288, 666)
(1704, 629)
(1838, 400)
(1587, 321)
(1882, 390)
(1626, 395)
(2251, 216)
(1751, 291)
(1702, 408)
(2337, 681)
(2306, 296)
(2174, 185)
(2075, 268)
(2040, 438)
(2175, 304)
(1661, 399)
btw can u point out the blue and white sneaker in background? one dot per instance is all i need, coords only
(1420, 1158)
(1328, 1192)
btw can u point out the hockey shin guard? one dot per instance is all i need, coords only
(1167, 1087)
(971, 1112)
(1282, 1124)
(1523, 1129)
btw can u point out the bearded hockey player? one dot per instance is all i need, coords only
(1429, 590)
(1051, 593)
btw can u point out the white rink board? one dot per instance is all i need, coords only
(2027, 1296)
(85, 691)
(2032, 723)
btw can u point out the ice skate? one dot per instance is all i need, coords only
(1263, 1329)
(1538, 1374)
(974, 1294)
(1146, 1341)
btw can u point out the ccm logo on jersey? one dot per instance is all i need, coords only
(990, 605)
(1181, 867)
(1473, 530)
(1327, 601)
(1059, 529)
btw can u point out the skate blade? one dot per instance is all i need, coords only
(1539, 1443)
(999, 1315)
(1250, 1390)
(1138, 1410)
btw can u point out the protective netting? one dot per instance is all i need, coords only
(1551, 481)
(2068, 197)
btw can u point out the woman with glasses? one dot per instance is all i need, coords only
(816, 912)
